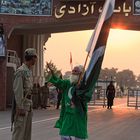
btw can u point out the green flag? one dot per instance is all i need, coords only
(97, 45)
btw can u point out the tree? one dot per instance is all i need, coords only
(47, 73)
(108, 74)
(138, 80)
(126, 78)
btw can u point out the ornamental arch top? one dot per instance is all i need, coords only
(72, 15)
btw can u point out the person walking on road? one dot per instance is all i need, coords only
(110, 94)
(22, 87)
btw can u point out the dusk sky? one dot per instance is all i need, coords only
(122, 52)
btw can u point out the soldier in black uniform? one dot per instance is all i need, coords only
(110, 94)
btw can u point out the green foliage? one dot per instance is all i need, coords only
(124, 78)
(47, 72)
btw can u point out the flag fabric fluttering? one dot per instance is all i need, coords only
(97, 45)
(96, 49)
(106, 15)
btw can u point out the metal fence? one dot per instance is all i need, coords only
(133, 98)
(99, 98)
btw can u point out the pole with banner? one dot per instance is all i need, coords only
(97, 45)
(71, 64)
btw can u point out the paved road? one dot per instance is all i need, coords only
(120, 123)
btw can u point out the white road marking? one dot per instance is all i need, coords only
(34, 122)
(3, 128)
(49, 119)
(54, 118)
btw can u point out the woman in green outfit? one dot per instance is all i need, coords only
(73, 116)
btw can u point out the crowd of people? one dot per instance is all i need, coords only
(45, 96)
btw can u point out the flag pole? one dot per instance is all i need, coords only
(71, 66)
(98, 34)
(81, 75)
(71, 61)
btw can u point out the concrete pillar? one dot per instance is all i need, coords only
(37, 42)
(3, 72)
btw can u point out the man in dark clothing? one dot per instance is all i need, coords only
(59, 97)
(110, 94)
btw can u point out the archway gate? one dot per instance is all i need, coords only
(67, 15)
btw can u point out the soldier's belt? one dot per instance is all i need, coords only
(28, 96)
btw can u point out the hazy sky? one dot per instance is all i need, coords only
(122, 52)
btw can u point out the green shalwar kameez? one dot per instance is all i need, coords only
(71, 122)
